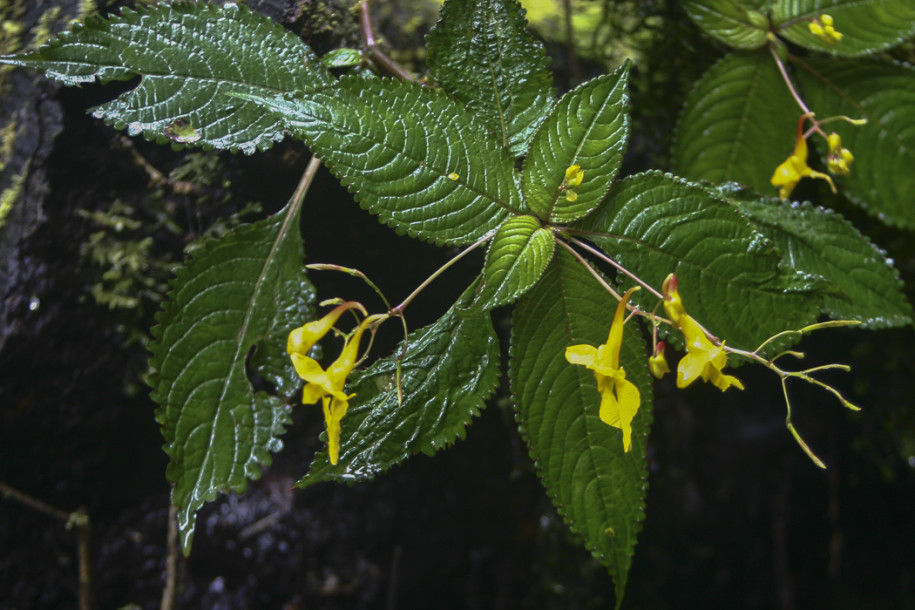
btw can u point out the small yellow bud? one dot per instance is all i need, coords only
(453, 176)
(839, 158)
(822, 27)
(657, 364)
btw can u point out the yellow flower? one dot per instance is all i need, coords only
(673, 305)
(620, 399)
(823, 29)
(657, 363)
(839, 158)
(573, 178)
(703, 358)
(789, 173)
(327, 385)
(302, 339)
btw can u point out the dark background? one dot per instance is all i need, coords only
(737, 515)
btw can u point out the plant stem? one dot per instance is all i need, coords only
(170, 591)
(617, 266)
(591, 270)
(371, 45)
(78, 519)
(396, 311)
(788, 83)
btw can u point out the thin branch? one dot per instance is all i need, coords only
(170, 591)
(374, 51)
(617, 266)
(591, 270)
(78, 519)
(157, 178)
(399, 309)
(787, 79)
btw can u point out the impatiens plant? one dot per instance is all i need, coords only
(794, 62)
(482, 153)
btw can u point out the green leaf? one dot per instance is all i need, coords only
(742, 25)
(448, 370)
(520, 251)
(866, 26)
(190, 56)
(343, 58)
(412, 155)
(732, 279)
(243, 291)
(820, 241)
(597, 487)
(589, 127)
(882, 180)
(482, 54)
(738, 123)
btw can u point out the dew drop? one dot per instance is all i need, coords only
(34, 303)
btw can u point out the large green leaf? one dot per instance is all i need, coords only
(738, 123)
(242, 292)
(482, 54)
(449, 369)
(882, 178)
(820, 241)
(742, 25)
(589, 127)
(412, 155)
(518, 254)
(190, 56)
(731, 278)
(597, 487)
(866, 25)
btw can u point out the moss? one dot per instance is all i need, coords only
(7, 140)
(11, 195)
(45, 28)
(11, 32)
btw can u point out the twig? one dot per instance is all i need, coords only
(170, 591)
(78, 519)
(374, 51)
(157, 178)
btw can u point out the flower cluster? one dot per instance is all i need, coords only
(839, 158)
(573, 178)
(327, 385)
(795, 167)
(822, 27)
(704, 359)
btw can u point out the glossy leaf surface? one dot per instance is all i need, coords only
(589, 127)
(742, 25)
(732, 280)
(483, 55)
(449, 369)
(867, 26)
(597, 487)
(820, 241)
(247, 290)
(882, 180)
(412, 155)
(518, 254)
(191, 58)
(738, 123)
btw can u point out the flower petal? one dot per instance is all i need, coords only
(690, 368)
(584, 355)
